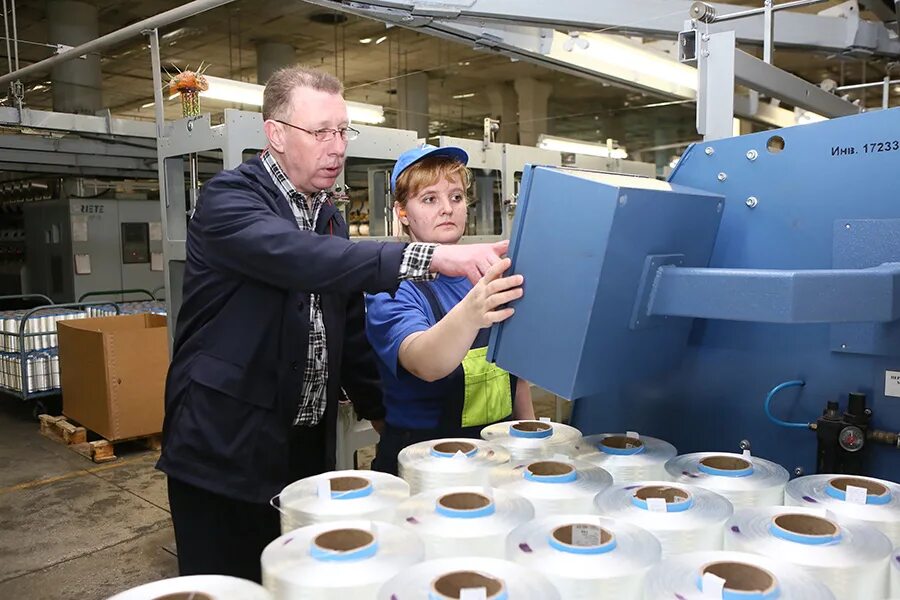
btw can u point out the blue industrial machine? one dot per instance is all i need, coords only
(679, 308)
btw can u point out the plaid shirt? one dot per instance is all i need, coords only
(415, 266)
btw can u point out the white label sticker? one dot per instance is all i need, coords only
(585, 535)
(633, 434)
(478, 593)
(545, 420)
(746, 454)
(892, 384)
(713, 586)
(323, 488)
(856, 495)
(459, 455)
(656, 505)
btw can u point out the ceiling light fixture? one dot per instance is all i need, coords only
(560, 144)
(251, 94)
(365, 40)
(464, 96)
(381, 39)
(624, 60)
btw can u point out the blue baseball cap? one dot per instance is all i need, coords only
(411, 157)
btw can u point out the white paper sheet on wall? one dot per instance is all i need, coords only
(156, 261)
(79, 228)
(155, 231)
(82, 264)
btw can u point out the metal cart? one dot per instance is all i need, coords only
(29, 347)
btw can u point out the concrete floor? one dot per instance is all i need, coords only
(72, 529)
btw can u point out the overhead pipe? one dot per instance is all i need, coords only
(111, 39)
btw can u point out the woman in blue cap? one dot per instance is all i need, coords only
(431, 337)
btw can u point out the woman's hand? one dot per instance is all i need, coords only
(482, 305)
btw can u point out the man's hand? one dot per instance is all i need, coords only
(471, 260)
(492, 291)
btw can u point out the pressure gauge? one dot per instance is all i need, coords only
(851, 438)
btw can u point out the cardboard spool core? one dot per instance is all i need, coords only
(451, 584)
(726, 463)
(344, 540)
(872, 488)
(464, 501)
(454, 447)
(668, 493)
(531, 426)
(349, 484)
(563, 534)
(186, 596)
(549, 468)
(621, 442)
(809, 525)
(740, 577)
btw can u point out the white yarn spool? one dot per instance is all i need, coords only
(342, 560)
(731, 575)
(341, 495)
(449, 462)
(745, 480)
(197, 587)
(554, 487)
(464, 521)
(850, 497)
(586, 557)
(628, 457)
(850, 558)
(471, 577)
(531, 440)
(684, 518)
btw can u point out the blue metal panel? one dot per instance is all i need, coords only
(582, 239)
(860, 243)
(839, 170)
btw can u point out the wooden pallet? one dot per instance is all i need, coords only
(75, 437)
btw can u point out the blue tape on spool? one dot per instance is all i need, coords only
(326, 555)
(572, 549)
(474, 513)
(537, 434)
(809, 540)
(870, 498)
(671, 507)
(351, 494)
(564, 478)
(725, 472)
(438, 454)
(736, 595)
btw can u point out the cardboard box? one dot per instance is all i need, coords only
(113, 373)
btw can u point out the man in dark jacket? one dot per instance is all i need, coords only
(272, 327)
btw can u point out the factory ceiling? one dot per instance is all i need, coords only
(372, 60)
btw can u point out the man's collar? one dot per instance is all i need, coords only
(282, 181)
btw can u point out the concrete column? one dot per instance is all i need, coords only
(76, 84)
(412, 98)
(271, 56)
(533, 96)
(504, 106)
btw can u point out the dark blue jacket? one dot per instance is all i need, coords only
(233, 387)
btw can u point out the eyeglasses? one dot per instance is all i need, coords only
(326, 135)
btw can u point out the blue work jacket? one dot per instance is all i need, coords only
(233, 387)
